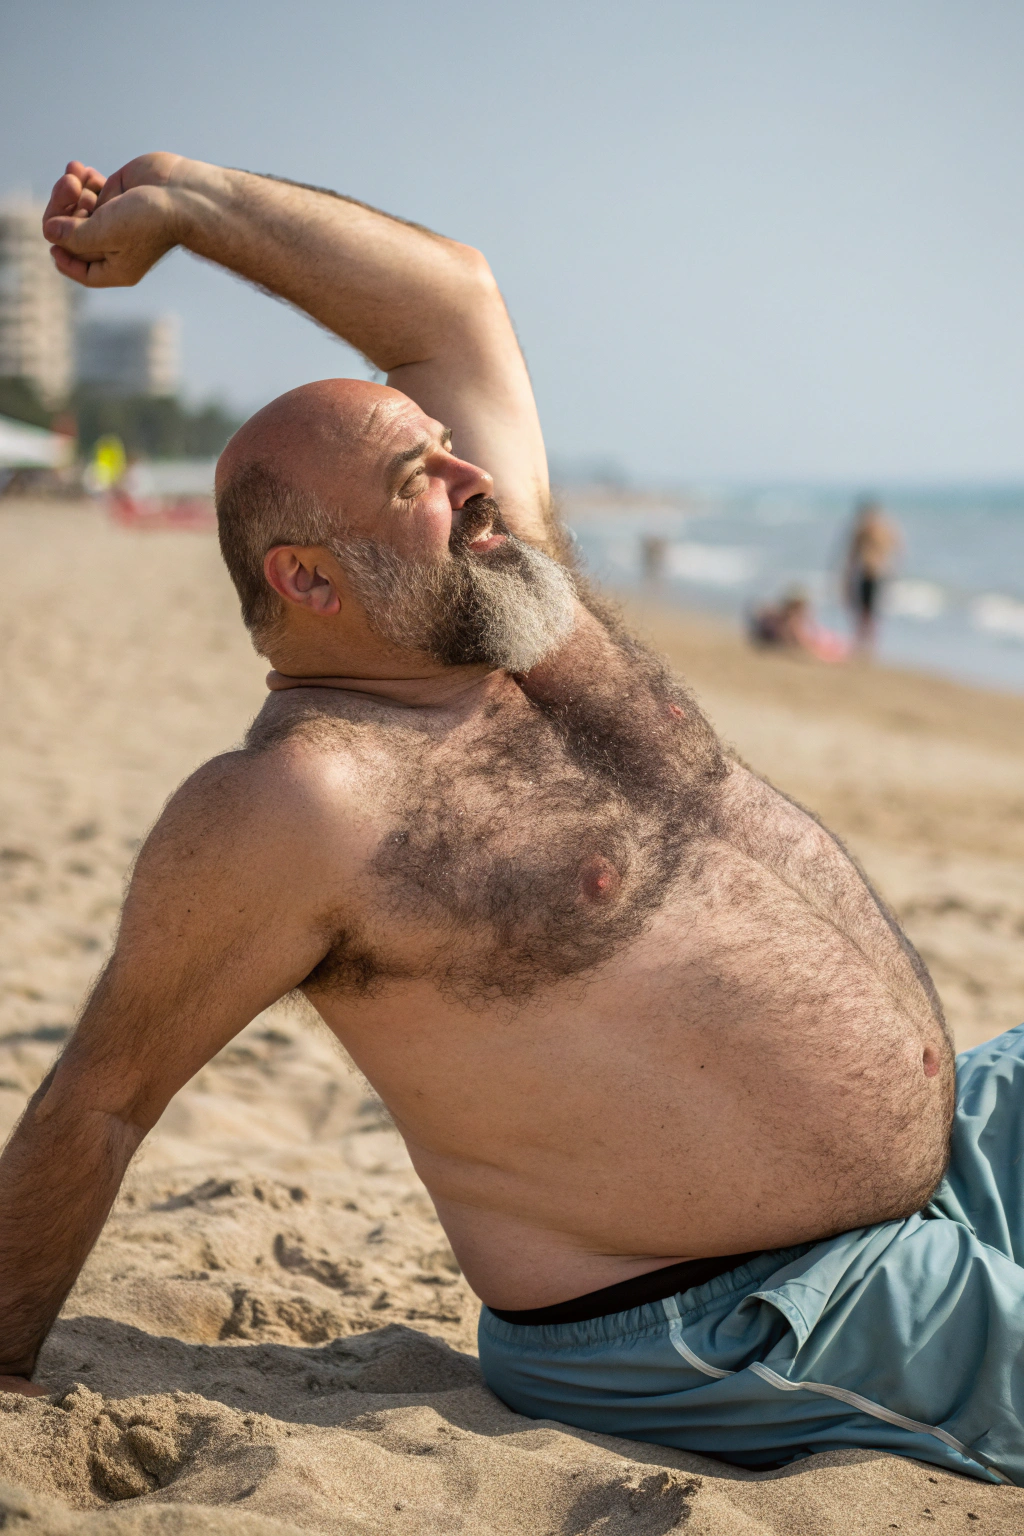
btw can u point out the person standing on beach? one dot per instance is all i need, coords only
(874, 544)
(676, 1081)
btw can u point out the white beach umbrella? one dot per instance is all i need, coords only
(23, 447)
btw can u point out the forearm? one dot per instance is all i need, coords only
(59, 1176)
(398, 293)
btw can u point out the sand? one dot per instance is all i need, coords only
(272, 1334)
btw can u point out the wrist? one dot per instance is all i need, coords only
(198, 195)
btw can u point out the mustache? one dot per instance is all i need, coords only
(478, 513)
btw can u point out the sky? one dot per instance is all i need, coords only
(740, 239)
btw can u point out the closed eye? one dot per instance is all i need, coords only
(412, 487)
(407, 493)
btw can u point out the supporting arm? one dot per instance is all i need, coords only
(58, 1179)
(217, 925)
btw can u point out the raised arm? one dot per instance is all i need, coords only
(215, 929)
(424, 309)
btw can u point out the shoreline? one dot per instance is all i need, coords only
(953, 605)
(639, 598)
(931, 700)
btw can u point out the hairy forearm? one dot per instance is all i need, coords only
(59, 1175)
(398, 293)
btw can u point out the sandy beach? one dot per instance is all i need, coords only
(272, 1334)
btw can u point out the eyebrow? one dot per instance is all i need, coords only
(408, 455)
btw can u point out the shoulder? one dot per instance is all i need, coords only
(254, 804)
(322, 736)
(250, 842)
(307, 789)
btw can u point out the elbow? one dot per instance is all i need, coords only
(477, 291)
(473, 265)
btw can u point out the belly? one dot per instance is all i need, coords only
(724, 1084)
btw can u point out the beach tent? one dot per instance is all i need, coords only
(23, 447)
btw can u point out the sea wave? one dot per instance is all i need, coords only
(912, 599)
(999, 615)
(711, 565)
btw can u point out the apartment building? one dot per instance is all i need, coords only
(37, 307)
(129, 357)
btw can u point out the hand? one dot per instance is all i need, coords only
(22, 1385)
(107, 232)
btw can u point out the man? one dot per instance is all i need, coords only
(874, 544)
(676, 1082)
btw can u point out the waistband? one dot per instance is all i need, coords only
(638, 1291)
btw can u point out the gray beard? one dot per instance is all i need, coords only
(508, 609)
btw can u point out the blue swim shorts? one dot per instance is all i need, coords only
(906, 1337)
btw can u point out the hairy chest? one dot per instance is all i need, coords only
(509, 856)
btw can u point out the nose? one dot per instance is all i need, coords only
(466, 480)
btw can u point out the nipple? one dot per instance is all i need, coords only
(674, 709)
(930, 1061)
(599, 879)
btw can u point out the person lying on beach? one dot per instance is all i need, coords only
(675, 1079)
(791, 625)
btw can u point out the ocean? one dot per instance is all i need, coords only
(955, 605)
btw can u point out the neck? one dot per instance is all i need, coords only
(433, 690)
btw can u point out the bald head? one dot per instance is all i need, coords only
(304, 470)
(312, 433)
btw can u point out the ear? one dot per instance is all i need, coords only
(300, 577)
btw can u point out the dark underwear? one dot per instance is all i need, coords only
(637, 1292)
(867, 594)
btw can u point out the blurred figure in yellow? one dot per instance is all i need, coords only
(108, 463)
(874, 544)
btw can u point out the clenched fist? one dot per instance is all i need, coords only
(107, 232)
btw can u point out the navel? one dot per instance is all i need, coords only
(931, 1061)
(599, 879)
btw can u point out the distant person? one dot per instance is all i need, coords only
(791, 624)
(653, 549)
(874, 544)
